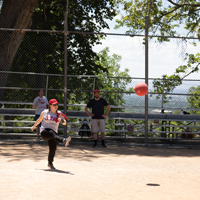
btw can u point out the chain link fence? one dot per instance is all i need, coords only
(79, 92)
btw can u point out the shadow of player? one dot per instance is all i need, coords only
(57, 171)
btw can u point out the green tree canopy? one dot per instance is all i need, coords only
(165, 16)
(194, 99)
(43, 52)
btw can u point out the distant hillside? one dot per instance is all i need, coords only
(134, 100)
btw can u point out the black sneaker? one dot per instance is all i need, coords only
(51, 166)
(104, 145)
(95, 145)
(66, 141)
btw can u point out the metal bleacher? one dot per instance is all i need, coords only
(161, 116)
(168, 132)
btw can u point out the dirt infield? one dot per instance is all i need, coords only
(84, 173)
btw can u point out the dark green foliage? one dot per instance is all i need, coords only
(42, 52)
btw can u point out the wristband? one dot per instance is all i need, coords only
(62, 120)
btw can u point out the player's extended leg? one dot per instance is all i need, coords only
(49, 134)
(52, 151)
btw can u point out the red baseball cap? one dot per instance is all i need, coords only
(53, 101)
(96, 90)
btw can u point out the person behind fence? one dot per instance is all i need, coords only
(98, 117)
(40, 103)
(50, 119)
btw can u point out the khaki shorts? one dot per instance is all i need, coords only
(98, 125)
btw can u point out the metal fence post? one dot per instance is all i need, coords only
(146, 78)
(47, 82)
(93, 88)
(163, 95)
(65, 66)
(117, 90)
(116, 102)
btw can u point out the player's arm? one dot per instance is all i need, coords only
(62, 120)
(38, 121)
(35, 105)
(86, 110)
(108, 111)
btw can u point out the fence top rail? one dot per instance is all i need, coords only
(92, 76)
(163, 117)
(31, 73)
(94, 33)
(167, 120)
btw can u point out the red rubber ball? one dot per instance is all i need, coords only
(141, 89)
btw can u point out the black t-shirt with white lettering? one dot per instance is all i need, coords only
(97, 107)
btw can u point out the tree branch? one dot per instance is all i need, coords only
(160, 17)
(184, 4)
(190, 72)
(192, 29)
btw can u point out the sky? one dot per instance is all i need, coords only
(163, 58)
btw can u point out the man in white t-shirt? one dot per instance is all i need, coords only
(40, 103)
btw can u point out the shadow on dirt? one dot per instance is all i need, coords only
(39, 151)
(57, 171)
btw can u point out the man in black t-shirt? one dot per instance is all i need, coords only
(97, 104)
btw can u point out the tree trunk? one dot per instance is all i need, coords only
(15, 14)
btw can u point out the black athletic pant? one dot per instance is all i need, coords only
(52, 137)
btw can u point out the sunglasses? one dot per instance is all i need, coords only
(54, 104)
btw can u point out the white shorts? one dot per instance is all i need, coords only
(98, 125)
